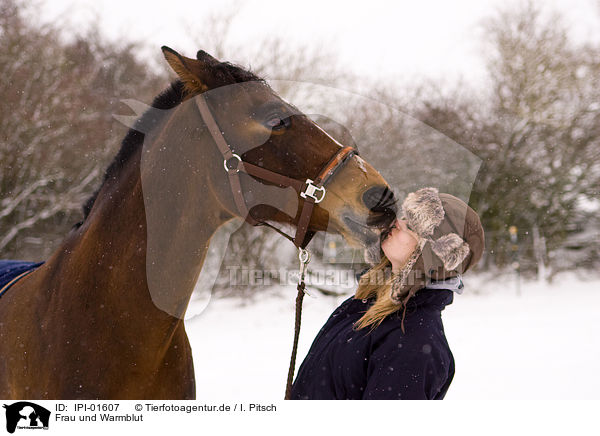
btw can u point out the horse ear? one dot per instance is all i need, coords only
(205, 57)
(193, 73)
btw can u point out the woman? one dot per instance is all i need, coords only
(387, 342)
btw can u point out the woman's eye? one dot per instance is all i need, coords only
(277, 123)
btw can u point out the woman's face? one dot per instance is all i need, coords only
(399, 244)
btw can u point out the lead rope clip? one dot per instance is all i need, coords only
(304, 258)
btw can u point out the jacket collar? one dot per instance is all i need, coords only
(438, 298)
(454, 284)
(438, 293)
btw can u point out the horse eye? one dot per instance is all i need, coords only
(277, 123)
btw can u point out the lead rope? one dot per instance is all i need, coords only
(304, 257)
(306, 190)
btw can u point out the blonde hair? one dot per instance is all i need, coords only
(377, 282)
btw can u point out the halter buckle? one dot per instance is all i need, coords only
(311, 189)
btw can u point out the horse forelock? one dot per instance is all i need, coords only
(237, 73)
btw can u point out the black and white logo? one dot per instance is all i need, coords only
(26, 415)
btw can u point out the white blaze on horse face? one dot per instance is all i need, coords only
(359, 160)
(361, 164)
(327, 134)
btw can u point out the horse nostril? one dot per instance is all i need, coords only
(379, 198)
(381, 202)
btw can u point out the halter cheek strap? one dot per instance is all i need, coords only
(312, 192)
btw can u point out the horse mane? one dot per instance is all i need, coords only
(168, 99)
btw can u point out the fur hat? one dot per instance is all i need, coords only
(451, 240)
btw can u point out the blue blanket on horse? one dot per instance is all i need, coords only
(11, 270)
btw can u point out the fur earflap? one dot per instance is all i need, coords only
(451, 249)
(424, 211)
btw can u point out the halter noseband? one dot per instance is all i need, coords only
(312, 191)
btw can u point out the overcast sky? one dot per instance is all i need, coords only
(438, 39)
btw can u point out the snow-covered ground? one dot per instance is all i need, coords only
(541, 344)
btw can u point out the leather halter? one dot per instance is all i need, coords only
(312, 191)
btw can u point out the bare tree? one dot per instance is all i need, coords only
(57, 131)
(538, 135)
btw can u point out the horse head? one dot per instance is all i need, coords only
(266, 131)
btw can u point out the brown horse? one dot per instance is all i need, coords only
(103, 317)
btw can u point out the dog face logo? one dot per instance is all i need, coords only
(26, 415)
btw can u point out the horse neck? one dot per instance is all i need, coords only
(141, 249)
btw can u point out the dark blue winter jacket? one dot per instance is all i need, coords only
(383, 363)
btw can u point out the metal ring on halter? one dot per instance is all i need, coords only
(303, 255)
(227, 168)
